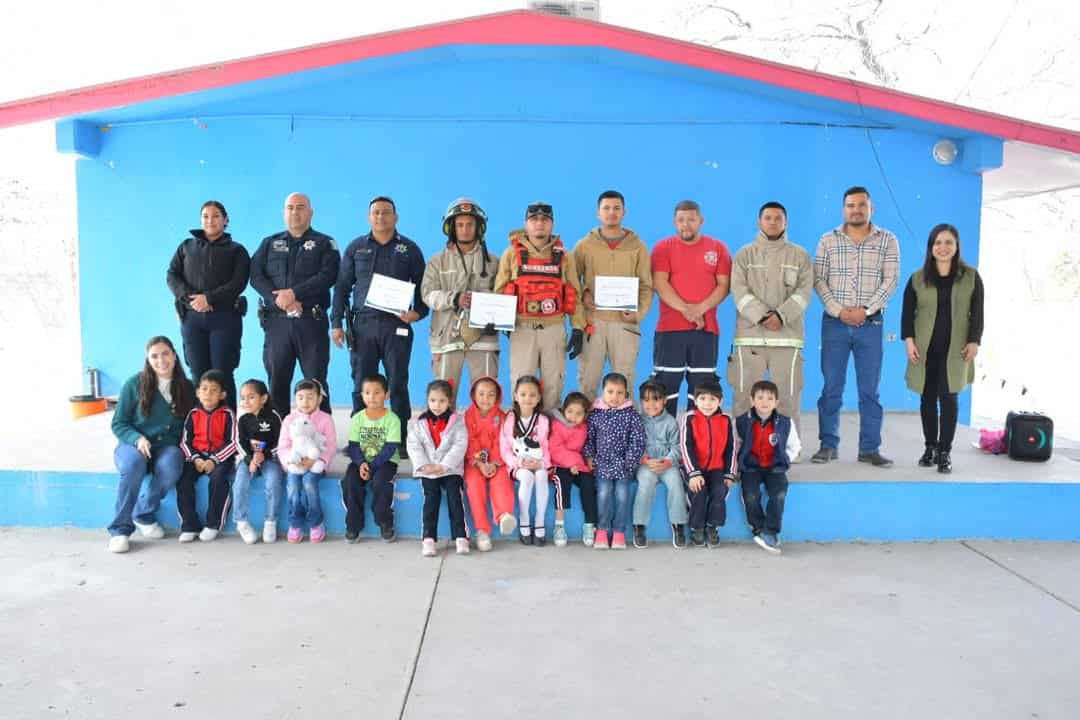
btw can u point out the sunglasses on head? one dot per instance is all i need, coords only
(539, 209)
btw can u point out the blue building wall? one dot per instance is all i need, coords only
(506, 126)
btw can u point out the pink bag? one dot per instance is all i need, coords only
(992, 441)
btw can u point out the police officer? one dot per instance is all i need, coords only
(207, 276)
(375, 335)
(293, 272)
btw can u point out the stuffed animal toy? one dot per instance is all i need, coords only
(307, 443)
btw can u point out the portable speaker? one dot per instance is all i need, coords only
(1029, 436)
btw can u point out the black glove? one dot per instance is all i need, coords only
(577, 340)
(489, 329)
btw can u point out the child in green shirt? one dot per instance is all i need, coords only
(374, 441)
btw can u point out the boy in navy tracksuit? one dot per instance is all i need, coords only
(707, 445)
(209, 440)
(767, 442)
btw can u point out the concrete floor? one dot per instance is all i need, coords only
(942, 630)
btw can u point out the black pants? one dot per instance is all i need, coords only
(377, 338)
(708, 506)
(586, 483)
(679, 353)
(220, 480)
(776, 484)
(433, 489)
(212, 342)
(354, 493)
(288, 340)
(935, 391)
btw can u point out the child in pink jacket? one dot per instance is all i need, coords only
(524, 446)
(307, 444)
(568, 434)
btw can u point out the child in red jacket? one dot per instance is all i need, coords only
(568, 435)
(707, 445)
(485, 471)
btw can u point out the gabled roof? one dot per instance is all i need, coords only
(529, 28)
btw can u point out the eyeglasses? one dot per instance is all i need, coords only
(539, 209)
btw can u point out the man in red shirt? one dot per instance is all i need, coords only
(691, 274)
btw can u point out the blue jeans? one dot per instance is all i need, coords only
(838, 341)
(304, 504)
(164, 466)
(612, 503)
(647, 480)
(272, 475)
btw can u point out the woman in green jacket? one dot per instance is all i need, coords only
(148, 421)
(942, 325)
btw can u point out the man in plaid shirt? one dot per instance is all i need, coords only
(855, 272)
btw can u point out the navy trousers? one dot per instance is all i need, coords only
(212, 342)
(288, 340)
(679, 353)
(382, 338)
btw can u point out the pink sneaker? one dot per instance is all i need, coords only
(295, 534)
(618, 541)
(318, 533)
(601, 542)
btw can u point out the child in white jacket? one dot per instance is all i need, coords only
(437, 442)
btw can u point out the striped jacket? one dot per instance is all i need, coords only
(210, 434)
(706, 442)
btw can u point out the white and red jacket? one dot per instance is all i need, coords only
(209, 434)
(706, 442)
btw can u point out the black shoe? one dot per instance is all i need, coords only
(640, 540)
(388, 534)
(351, 537)
(541, 540)
(698, 537)
(944, 462)
(712, 536)
(824, 455)
(929, 456)
(876, 459)
(402, 452)
(678, 536)
(526, 539)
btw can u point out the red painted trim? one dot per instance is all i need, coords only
(527, 28)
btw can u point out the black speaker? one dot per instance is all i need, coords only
(1029, 436)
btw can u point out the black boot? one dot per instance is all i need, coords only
(944, 462)
(929, 456)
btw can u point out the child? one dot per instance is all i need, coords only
(437, 441)
(524, 446)
(485, 472)
(659, 464)
(768, 442)
(260, 427)
(568, 434)
(209, 439)
(706, 446)
(374, 443)
(306, 472)
(615, 443)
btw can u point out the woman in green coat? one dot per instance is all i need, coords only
(149, 418)
(942, 325)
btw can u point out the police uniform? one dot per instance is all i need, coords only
(218, 269)
(378, 336)
(308, 266)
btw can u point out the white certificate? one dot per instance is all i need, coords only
(494, 309)
(389, 295)
(615, 293)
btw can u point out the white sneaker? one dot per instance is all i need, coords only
(483, 541)
(507, 524)
(208, 534)
(151, 531)
(186, 537)
(247, 533)
(119, 544)
(427, 547)
(270, 531)
(462, 546)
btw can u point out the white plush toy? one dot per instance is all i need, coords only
(307, 443)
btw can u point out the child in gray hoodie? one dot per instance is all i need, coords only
(437, 442)
(660, 464)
